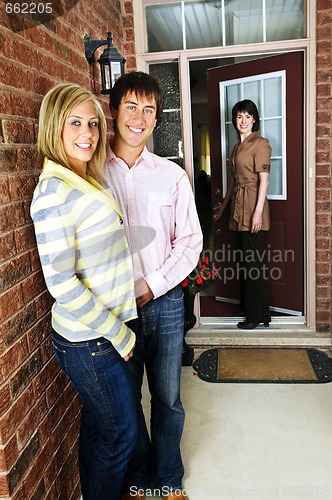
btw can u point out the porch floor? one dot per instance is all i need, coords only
(255, 440)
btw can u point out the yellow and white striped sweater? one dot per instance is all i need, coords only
(85, 258)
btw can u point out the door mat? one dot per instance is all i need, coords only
(264, 366)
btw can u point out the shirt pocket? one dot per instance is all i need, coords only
(160, 206)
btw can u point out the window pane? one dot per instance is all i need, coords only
(243, 21)
(203, 24)
(272, 107)
(251, 90)
(275, 181)
(233, 95)
(284, 20)
(273, 131)
(167, 137)
(164, 26)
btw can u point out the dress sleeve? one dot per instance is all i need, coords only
(262, 156)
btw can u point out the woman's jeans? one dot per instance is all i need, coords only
(108, 423)
(157, 463)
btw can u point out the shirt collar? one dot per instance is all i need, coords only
(145, 156)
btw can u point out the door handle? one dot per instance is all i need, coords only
(218, 232)
(217, 191)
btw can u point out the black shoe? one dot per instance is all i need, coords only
(250, 325)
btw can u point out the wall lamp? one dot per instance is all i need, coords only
(111, 62)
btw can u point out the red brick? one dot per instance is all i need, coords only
(11, 301)
(9, 454)
(323, 292)
(5, 102)
(128, 7)
(7, 246)
(8, 158)
(14, 271)
(324, 17)
(15, 414)
(323, 5)
(323, 268)
(43, 303)
(5, 399)
(16, 131)
(27, 427)
(24, 238)
(21, 52)
(26, 105)
(4, 190)
(4, 492)
(45, 376)
(21, 187)
(11, 215)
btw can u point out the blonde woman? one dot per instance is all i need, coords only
(88, 270)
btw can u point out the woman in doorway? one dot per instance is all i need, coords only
(249, 179)
(88, 270)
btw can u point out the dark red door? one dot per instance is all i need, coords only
(285, 241)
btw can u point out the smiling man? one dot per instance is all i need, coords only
(165, 239)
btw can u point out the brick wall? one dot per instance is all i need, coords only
(323, 166)
(39, 411)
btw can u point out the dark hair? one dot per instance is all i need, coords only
(249, 107)
(139, 83)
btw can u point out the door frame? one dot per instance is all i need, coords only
(308, 46)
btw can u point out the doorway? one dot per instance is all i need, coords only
(214, 137)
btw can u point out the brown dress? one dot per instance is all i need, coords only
(247, 160)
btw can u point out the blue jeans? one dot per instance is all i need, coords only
(159, 344)
(108, 422)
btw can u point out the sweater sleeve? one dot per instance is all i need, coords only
(56, 241)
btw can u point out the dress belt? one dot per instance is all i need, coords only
(241, 192)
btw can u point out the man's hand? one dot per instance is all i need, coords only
(145, 298)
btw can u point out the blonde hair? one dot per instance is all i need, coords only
(54, 111)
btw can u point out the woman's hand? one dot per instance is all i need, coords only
(257, 220)
(217, 211)
(130, 354)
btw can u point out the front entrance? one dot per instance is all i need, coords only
(276, 85)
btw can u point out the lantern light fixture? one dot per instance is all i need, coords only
(111, 62)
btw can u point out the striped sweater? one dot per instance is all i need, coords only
(85, 258)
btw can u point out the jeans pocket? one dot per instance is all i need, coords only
(101, 347)
(175, 294)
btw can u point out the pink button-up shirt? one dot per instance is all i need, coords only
(160, 216)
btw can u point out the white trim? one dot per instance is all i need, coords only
(222, 96)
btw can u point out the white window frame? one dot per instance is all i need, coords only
(222, 87)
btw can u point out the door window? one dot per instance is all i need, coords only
(268, 93)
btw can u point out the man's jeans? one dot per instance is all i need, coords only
(159, 344)
(108, 423)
